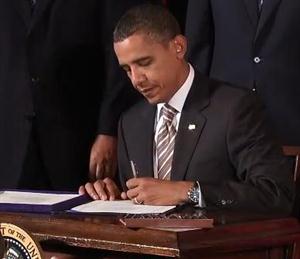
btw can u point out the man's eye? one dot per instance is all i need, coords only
(144, 63)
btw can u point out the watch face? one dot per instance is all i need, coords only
(193, 195)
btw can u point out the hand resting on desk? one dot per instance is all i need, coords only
(105, 189)
(144, 190)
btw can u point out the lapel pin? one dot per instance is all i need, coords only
(192, 126)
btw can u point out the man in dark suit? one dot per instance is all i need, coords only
(60, 94)
(253, 44)
(215, 149)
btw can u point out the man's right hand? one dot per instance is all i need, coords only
(103, 190)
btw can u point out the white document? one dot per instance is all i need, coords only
(123, 206)
(35, 198)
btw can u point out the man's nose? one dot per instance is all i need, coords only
(137, 77)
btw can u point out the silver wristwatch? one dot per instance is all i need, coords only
(194, 193)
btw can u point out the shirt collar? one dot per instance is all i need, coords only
(178, 99)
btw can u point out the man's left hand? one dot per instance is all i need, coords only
(152, 191)
(103, 158)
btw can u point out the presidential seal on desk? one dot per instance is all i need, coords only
(18, 244)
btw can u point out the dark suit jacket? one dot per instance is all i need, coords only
(230, 152)
(226, 36)
(59, 67)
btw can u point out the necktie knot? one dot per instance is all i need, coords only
(168, 113)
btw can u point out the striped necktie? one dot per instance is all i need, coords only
(165, 142)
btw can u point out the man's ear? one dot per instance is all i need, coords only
(180, 46)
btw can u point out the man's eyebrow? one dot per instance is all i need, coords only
(137, 61)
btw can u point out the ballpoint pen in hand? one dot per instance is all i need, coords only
(133, 168)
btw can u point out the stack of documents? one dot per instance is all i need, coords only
(36, 201)
(32, 201)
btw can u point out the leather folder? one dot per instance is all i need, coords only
(166, 223)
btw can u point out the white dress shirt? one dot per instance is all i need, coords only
(177, 102)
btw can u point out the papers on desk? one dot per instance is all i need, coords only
(124, 206)
(33, 201)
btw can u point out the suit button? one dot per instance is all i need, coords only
(257, 60)
(253, 89)
(30, 116)
(35, 80)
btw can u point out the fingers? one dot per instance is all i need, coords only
(124, 196)
(112, 189)
(133, 183)
(96, 169)
(134, 186)
(101, 189)
(99, 171)
(146, 190)
(91, 191)
(102, 168)
(103, 157)
(81, 190)
(107, 172)
(92, 171)
(109, 167)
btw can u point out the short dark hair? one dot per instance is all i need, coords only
(154, 20)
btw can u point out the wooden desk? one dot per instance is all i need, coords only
(234, 236)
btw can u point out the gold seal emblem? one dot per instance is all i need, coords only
(18, 244)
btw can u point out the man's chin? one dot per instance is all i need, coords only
(153, 100)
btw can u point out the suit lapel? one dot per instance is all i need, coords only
(40, 8)
(268, 9)
(251, 7)
(190, 127)
(23, 8)
(143, 133)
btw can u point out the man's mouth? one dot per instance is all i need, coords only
(146, 90)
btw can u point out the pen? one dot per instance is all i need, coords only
(134, 171)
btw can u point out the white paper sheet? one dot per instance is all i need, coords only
(126, 206)
(35, 198)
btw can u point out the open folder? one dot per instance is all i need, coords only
(39, 201)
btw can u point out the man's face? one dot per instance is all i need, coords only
(154, 68)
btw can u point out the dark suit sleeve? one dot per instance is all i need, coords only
(118, 93)
(199, 30)
(263, 175)
(118, 96)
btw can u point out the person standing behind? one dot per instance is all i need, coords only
(253, 44)
(60, 94)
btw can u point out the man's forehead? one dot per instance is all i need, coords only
(137, 38)
(135, 46)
